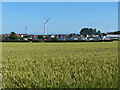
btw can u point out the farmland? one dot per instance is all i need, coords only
(60, 65)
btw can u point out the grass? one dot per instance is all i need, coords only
(60, 65)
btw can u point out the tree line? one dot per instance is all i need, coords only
(83, 31)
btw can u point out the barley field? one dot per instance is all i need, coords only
(60, 65)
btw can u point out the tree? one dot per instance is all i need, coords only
(25, 36)
(40, 37)
(13, 35)
(104, 34)
(6, 37)
(72, 34)
(94, 30)
(117, 32)
(89, 31)
(99, 32)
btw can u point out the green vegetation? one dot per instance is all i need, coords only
(89, 31)
(60, 65)
(12, 36)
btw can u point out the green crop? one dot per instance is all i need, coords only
(60, 65)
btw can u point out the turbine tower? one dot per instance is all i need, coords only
(45, 22)
(25, 30)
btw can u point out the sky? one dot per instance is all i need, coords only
(65, 17)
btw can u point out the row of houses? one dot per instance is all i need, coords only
(66, 37)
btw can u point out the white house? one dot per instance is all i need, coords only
(113, 36)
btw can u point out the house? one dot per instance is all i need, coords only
(21, 35)
(4, 35)
(52, 36)
(61, 38)
(113, 36)
(73, 39)
(18, 35)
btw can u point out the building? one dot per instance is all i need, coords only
(113, 36)
(18, 35)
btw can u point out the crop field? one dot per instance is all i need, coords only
(60, 65)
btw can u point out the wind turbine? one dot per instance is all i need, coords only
(25, 30)
(45, 22)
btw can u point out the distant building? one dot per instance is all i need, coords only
(4, 35)
(52, 36)
(18, 35)
(21, 35)
(113, 36)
